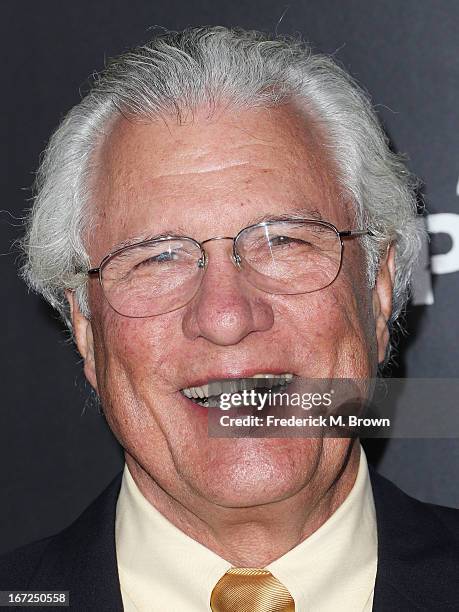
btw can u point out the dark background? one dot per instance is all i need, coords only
(57, 453)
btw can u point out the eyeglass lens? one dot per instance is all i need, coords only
(286, 257)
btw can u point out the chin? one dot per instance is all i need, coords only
(249, 472)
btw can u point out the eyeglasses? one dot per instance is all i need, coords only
(286, 257)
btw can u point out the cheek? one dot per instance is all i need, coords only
(124, 368)
(136, 355)
(353, 330)
(333, 331)
(123, 348)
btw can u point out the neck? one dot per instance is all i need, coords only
(255, 536)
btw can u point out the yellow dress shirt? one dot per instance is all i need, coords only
(161, 569)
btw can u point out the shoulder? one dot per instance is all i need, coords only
(449, 518)
(418, 552)
(18, 567)
(71, 553)
(395, 506)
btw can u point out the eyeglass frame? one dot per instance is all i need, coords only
(236, 258)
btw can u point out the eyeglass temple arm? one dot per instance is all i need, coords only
(92, 271)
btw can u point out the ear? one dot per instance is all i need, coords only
(84, 338)
(382, 300)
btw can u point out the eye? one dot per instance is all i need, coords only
(164, 257)
(279, 241)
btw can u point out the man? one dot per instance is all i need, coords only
(220, 207)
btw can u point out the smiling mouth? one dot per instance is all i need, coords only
(210, 393)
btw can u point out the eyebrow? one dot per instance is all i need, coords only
(178, 231)
(297, 213)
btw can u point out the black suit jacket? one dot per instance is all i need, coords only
(418, 556)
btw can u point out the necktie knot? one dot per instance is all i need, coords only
(248, 589)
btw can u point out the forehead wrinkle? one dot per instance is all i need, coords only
(234, 157)
(209, 169)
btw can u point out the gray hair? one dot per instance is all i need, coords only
(174, 75)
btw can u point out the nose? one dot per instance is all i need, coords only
(226, 308)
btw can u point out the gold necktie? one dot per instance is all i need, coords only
(247, 589)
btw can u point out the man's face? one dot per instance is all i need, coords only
(212, 178)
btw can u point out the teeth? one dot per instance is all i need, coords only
(287, 376)
(235, 385)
